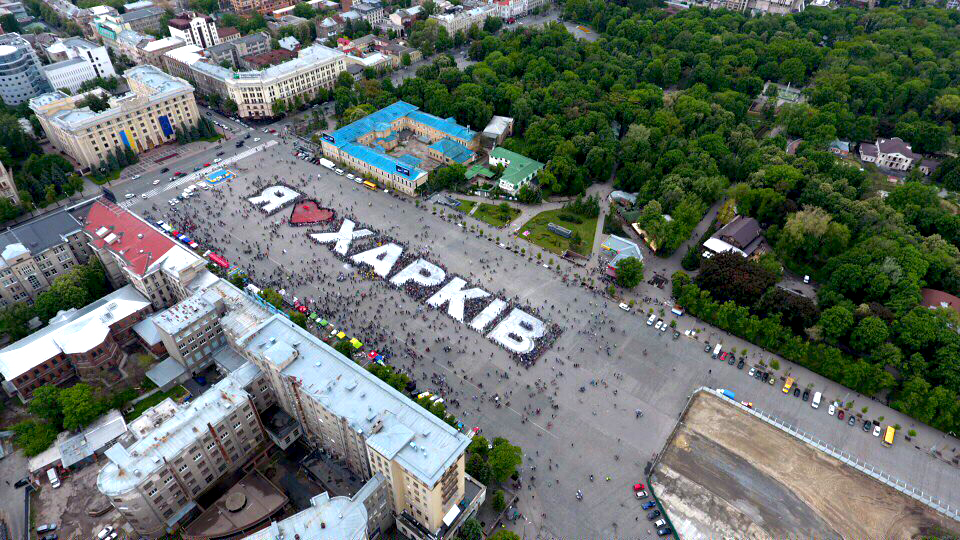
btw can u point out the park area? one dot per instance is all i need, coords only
(536, 231)
(497, 215)
(726, 474)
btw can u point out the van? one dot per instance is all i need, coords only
(816, 400)
(716, 351)
(54, 479)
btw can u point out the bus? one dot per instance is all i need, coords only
(370, 185)
(888, 436)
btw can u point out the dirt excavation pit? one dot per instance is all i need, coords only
(727, 474)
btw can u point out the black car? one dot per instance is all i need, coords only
(740, 364)
(220, 153)
(706, 347)
(248, 136)
(853, 420)
(766, 376)
(758, 374)
(732, 359)
(239, 144)
(664, 531)
(654, 514)
(22, 482)
(806, 395)
(165, 169)
(867, 425)
(796, 391)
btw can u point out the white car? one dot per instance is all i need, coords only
(351, 176)
(338, 171)
(129, 195)
(752, 371)
(172, 202)
(664, 327)
(624, 307)
(358, 180)
(831, 409)
(218, 160)
(651, 320)
(658, 325)
(143, 195)
(256, 139)
(104, 532)
(155, 182)
(876, 431)
(265, 130)
(135, 177)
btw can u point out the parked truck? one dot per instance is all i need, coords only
(728, 393)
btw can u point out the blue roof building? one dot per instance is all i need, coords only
(363, 145)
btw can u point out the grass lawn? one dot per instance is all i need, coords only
(465, 206)
(495, 215)
(100, 179)
(542, 237)
(176, 392)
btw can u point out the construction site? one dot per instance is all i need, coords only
(725, 473)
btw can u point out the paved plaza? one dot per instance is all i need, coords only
(621, 363)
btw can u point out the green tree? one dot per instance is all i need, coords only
(272, 297)
(46, 405)
(405, 59)
(79, 406)
(504, 459)
(629, 272)
(479, 446)
(34, 437)
(504, 534)
(835, 322)
(499, 503)
(478, 468)
(471, 530)
(870, 333)
(298, 318)
(345, 348)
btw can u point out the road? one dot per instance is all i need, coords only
(12, 468)
(594, 431)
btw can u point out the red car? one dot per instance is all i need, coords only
(273, 131)
(206, 164)
(840, 414)
(638, 487)
(179, 173)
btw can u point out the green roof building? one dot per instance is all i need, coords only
(518, 169)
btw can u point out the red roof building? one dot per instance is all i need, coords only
(934, 299)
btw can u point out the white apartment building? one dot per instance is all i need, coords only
(69, 74)
(193, 29)
(75, 47)
(139, 120)
(463, 20)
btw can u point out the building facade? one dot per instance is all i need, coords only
(8, 188)
(143, 20)
(140, 120)
(195, 29)
(155, 478)
(135, 252)
(890, 154)
(74, 47)
(69, 74)
(361, 145)
(518, 170)
(37, 252)
(462, 20)
(81, 343)
(20, 75)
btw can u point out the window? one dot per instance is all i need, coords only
(198, 457)
(152, 492)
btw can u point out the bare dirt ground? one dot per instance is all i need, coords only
(67, 506)
(728, 474)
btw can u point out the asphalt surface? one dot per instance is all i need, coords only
(594, 431)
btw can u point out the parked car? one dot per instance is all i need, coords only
(751, 372)
(658, 325)
(624, 307)
(165, 169)
(853, 420)
(22, 482)
(653, 515)
(641, 494)
(220, 153)
(104, 532)
(867, 425)
(831, 409)
(664, 531)
(806, 395)
(706, 347)
(49, 537)
(876, 430)
(796, 391)
(840, 414)
(47, 528)
(731, 359)
(740, 364)
(155, 182)
(676, 335)
(648, 505)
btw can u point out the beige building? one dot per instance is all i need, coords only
(8, 188)
(462, 20)
(139, 120)
(369, 426)
(134, 251)
(155, 475)
(37, 252)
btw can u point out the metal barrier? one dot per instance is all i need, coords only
(917, 494)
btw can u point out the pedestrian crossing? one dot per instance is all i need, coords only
(197, 175)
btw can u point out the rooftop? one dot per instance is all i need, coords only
(40, 234)
(251, 500)
(453, 150)
(519, 166)
(144, 248)
(182, 314)
(269, 58)
(145, 13)
(393, 425)
(63, 64)
(79, 446)
(71, 332)
(169, 439)
(158, 44)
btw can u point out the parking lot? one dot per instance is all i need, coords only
(623, 365)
